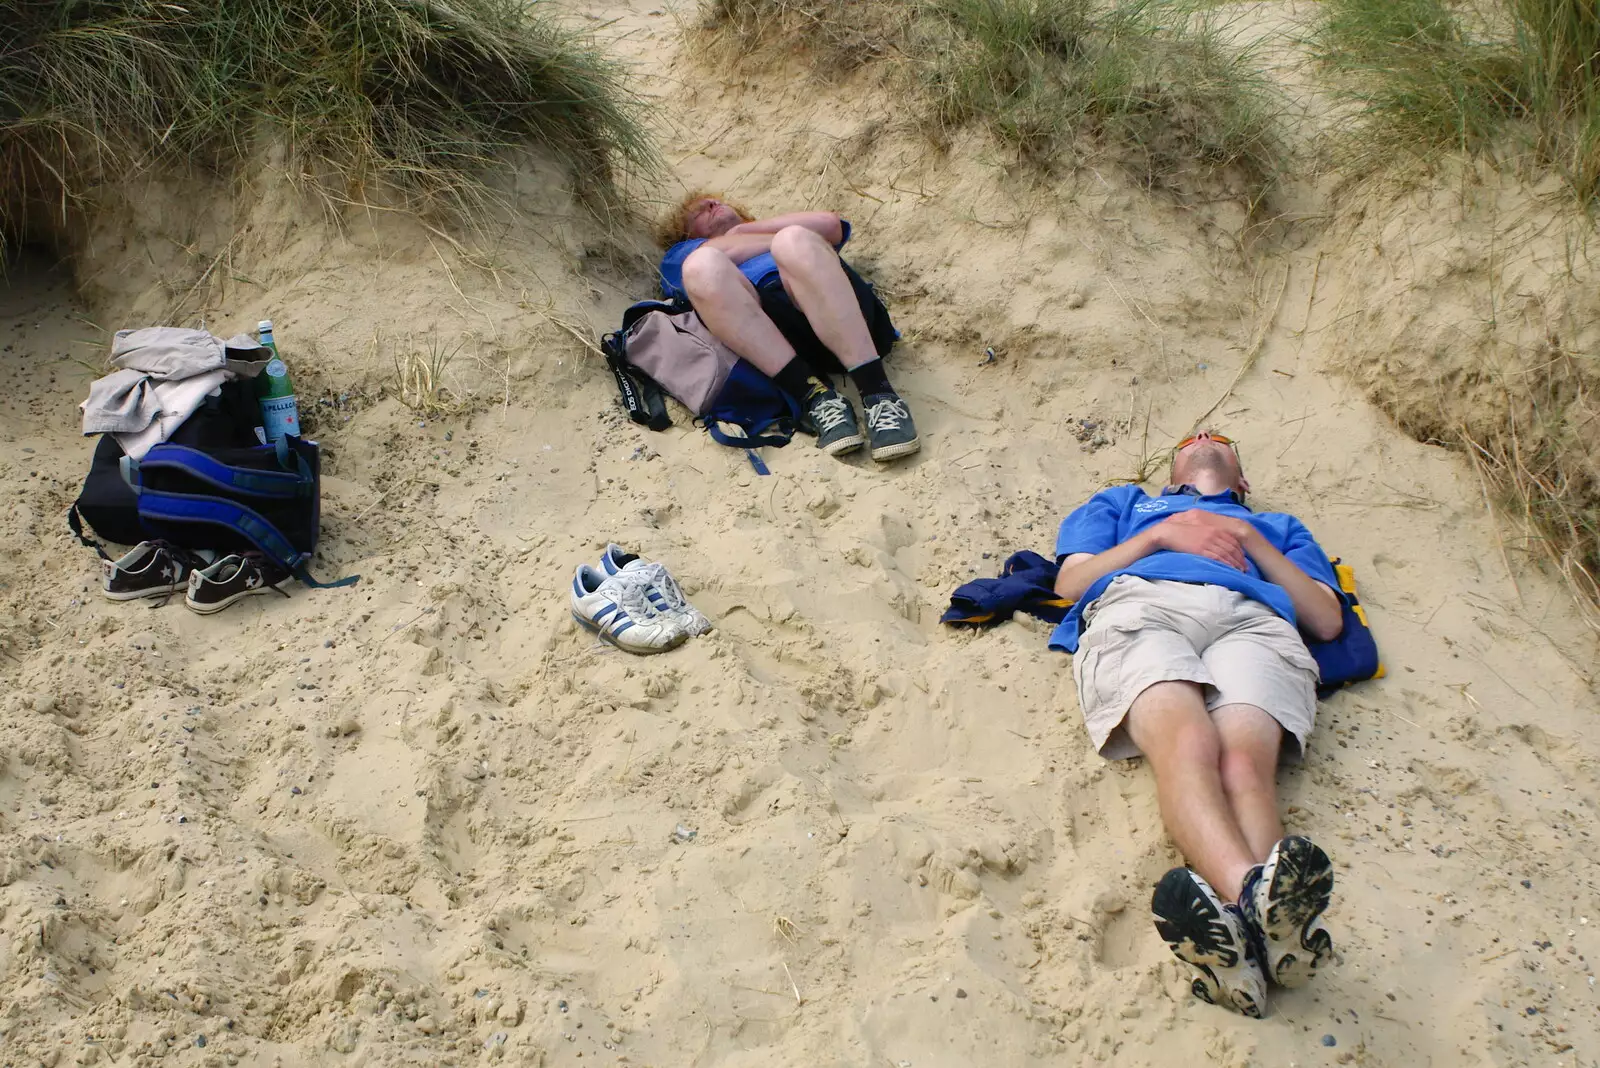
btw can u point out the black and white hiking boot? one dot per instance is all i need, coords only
(834, 422)
(1210, 936)
(890, 430)
(149, 569)
(231, 578)
(1284, 904)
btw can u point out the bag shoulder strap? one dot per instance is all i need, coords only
(183, 508)
(758, 436)
(254, 482)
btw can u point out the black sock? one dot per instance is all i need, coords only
(869, 379)
(800, 380)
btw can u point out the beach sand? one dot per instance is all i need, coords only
(425, 820)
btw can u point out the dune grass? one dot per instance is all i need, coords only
(1154, 83)
(423, 96)
(1508, 79)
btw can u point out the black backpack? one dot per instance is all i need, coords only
(212, 485)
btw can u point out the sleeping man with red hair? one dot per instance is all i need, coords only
(775, 291)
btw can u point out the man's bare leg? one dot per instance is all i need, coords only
(1249, 767)
(814, 279)
(1170, 725)
(728, 305)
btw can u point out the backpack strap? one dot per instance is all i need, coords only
(183, 508)
(293, 481)
(758, 438)
(640, 394)
(75, 524)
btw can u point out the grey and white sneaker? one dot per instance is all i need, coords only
(661, 591)
(834, 422)
(617, 609)
(1212, 937)
(1283, 900)
(233, 578)
(891, 433)
(149, 569)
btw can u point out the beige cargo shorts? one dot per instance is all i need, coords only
(1141, 632)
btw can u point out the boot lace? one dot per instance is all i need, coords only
(887, 414)
(830, 413)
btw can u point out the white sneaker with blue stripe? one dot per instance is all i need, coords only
(661, 589)
(618, 610)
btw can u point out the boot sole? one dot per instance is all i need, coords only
(208, 608)
(894, 452)
(153, 591)
(1297, 890)
(1198, 934)
(843, 445)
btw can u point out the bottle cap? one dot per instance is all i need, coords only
(265, 324)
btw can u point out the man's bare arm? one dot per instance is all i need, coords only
(740, 247)
(1186, 532)
(1318, 609)
(1079, 571)
(827, 224)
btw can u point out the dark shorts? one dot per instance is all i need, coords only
(792, 323)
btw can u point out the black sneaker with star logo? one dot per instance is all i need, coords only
(149, 569)
(231, 578)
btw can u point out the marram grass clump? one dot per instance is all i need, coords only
(1155, 83)
(1509, 79)
(422, 96)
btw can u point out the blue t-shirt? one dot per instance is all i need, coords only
(758, 269)
(1114, 515)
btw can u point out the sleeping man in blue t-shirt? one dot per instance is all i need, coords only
(1186, 635)
(776, 292)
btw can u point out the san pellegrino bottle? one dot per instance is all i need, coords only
(280, 412)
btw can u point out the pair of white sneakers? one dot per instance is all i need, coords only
(634, 604)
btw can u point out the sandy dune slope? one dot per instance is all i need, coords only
(426, 821)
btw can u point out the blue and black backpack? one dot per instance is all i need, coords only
(749, 410)
(211, 486)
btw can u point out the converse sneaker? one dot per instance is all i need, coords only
(1210, 936)
(890, 431)
(1283, 901)
(617, 608)
(232, 578)
(834, 422)
(661, 590)
(149, 569)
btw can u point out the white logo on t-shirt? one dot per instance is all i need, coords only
(1156, 505)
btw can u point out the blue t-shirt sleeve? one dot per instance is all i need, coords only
(845, 239)
(672, 268)
(1092, 527)
(1301, 548)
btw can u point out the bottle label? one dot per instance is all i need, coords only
(275, 368)
(280, 416)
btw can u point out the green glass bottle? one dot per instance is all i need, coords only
(280, 412)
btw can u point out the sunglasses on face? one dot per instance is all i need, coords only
(1191, 439)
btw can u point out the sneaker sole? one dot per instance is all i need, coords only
(208, 609)
(600, 633)
(843, 445)
(1194, 929)
(894, 452)
(1298, 882)
(154, 591)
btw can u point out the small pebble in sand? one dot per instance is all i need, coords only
(1329, 1040)
(200, 1040)
(562, 1005)
(960, 993)
(1527, 884)
(1074, 299)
